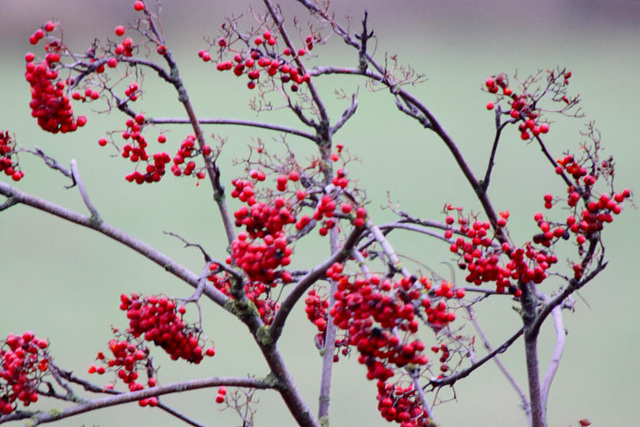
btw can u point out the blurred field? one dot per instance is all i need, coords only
(63, 282)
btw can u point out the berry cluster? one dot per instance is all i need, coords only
(49, 103)
(522, 107)
(402, 405)
(187, 150)
(157, 319)
(443, 358)
(129, 356)
(9, 165)
(481, 255)
(263, 57)
(24, 360)
(380, 318)
(136, 152)
(222, 392)
(316, 309)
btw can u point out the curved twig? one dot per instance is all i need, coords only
(237, 122)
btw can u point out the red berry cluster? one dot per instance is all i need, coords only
(128, 358)
(598, 209)
(375, 313)
(8, 157)
(49, 103)
(443, 358)
(316, 309)
(522, 107)
(24, 360)
(157, 319)
(125, 48)
(222, 392)
(326, 209)
(402, 405)
(136, 151)
(263, 58)
(481, 256)
(187, 150)
(132, 91)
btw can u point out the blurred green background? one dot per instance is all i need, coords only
(63, 282)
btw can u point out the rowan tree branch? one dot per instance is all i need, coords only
(452, 379)
(237, 122)
(558, 349)
(120, 236)
(119, 399)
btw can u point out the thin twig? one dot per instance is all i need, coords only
(498, 362)
(237, 122)
(77, 180)
(452, 379)
(561, 334)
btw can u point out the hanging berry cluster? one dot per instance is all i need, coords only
(24, 361)
(483, 256)
(9, 157)
(155, 169)
(50, 104)
(129, 356)
(381, 319)
(157, 319)
(263, 56)
(402, 405)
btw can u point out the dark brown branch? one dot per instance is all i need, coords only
(308, 280)
(237, 122)
(573, 286)
(450, 380)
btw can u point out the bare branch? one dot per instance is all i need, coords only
(498, 362)
(83, 191)
(450, 380)
(238, 122)
(47, 417)
(561, 334)
(127, 240)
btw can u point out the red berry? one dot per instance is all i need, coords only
(139, 5)
(120, 30)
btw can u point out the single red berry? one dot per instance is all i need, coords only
(49, 26)
(139, 5)
(120, 30)
(490, 105)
